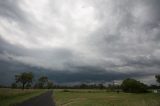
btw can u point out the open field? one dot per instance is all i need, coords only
(8, 97)
(103, 98)
(81, 97)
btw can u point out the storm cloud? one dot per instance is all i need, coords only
(82, 40)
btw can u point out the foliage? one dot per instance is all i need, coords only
(101, 86)
(154, 87)
(81, 86)
(113, 88)
(25, 79)
(43, 82)
(133, 86)
(158, 78)
(50, 85)
(14, 85)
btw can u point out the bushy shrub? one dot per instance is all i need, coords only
(133, 86)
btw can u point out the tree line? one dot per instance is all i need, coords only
(25, 81)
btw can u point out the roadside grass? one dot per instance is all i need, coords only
(103, 98)
(10, 97)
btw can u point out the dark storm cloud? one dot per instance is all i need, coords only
(87, 74)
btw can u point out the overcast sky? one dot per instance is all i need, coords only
(80, 40)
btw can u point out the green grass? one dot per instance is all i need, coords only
(103, 98)
(9, 97)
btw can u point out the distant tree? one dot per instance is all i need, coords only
(42, 82)
(50, 85)
(14, 85)
(24, 78)
(110, 87)
(28, 86)
(154, 87)
(113, 87)
(133, 86)
(101, 86)
(157, 78)
(83, 86)
(3, 86)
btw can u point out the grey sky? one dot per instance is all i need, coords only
(75, 39)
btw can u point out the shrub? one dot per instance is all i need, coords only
(133, 86)
(65, 90)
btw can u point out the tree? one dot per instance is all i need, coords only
(101, 86)
(24, 78)
(50, 85)
(133, 86)
(14, 85)
(158, 78)
(83, 86)
(42, 82)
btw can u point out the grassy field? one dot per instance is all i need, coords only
(8, 97)
(103, 98)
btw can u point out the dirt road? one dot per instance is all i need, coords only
(44, 99)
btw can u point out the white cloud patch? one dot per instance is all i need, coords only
(51, 24)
